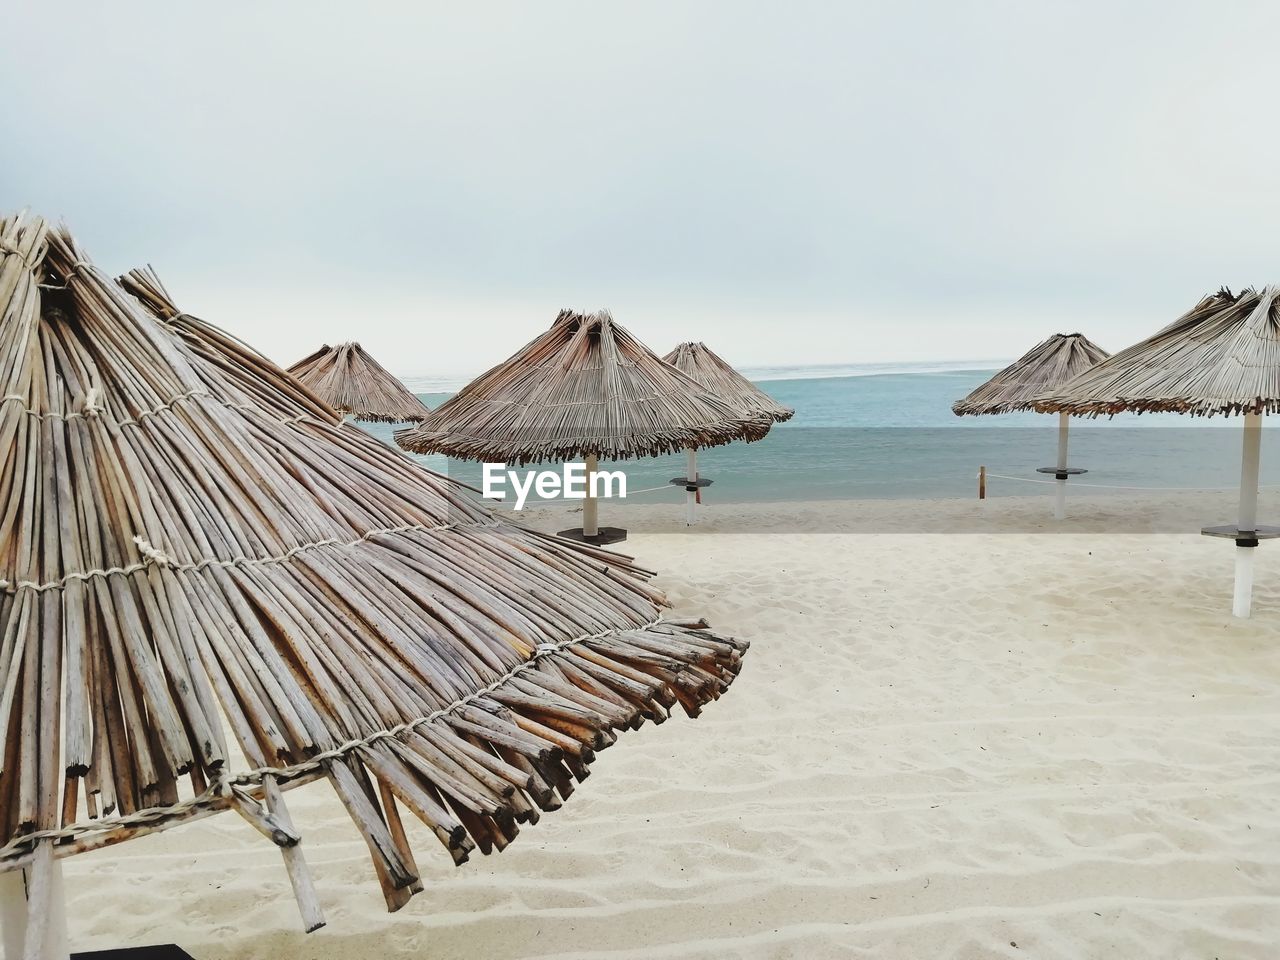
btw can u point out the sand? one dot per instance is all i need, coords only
(942, 746)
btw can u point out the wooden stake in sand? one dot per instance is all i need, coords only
(194, 547)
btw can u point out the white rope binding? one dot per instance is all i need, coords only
(91, 406)
(1115, 486)
(151, 553)
(154, 555)
(222, 787)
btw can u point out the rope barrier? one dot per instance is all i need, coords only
(498, 504)
(1115, 486)
(665, 486)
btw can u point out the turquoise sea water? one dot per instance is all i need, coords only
(890, 432)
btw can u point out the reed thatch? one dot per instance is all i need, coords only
(194, 549)
(696, 360)
(1222, 356)
(586, 387)
(1045, 366)
(351, 381)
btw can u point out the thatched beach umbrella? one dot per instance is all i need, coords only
(196, 552)
(1221, 357)
(699, 362)
(584, 389)
(1045, 366)
(351, 381)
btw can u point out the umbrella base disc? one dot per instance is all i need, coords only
(1243, 538)
(607, 535)
(690, 484)
(1061, 473)
(162, 951)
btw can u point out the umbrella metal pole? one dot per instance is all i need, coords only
(1060, 491)
(590, 517)
(691, 492)
(33, 911)
(1247, 521)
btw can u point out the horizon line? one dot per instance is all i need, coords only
(775, 372)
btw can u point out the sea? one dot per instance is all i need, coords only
(887, 431)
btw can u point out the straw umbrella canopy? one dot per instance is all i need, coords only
(699, 362)
(351, 381)
(1221, 357)
(584, 389)
(1045, 366)
(199, 562)
(1049, 364)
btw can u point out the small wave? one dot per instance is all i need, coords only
(827, 371)
(446, 383)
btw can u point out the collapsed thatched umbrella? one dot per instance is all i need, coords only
(351, 381)
(584, 389)
(699, 362)
(1221, 357)
(1045, 366)
(191, 544)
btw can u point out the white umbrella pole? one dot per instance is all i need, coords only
(1247, 520)
(1060, 491)
(691, 492)
(590, 518)
(13, 912)
(33, 910)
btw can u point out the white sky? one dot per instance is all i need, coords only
(792, 183)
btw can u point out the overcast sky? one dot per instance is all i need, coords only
(790, 182)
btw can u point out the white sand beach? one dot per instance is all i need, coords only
(941, 746)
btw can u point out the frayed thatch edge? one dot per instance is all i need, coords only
(564, 449)
(1236, 319)
(1192, 408)
(677, 662)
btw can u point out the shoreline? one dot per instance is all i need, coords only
(1170, 513)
